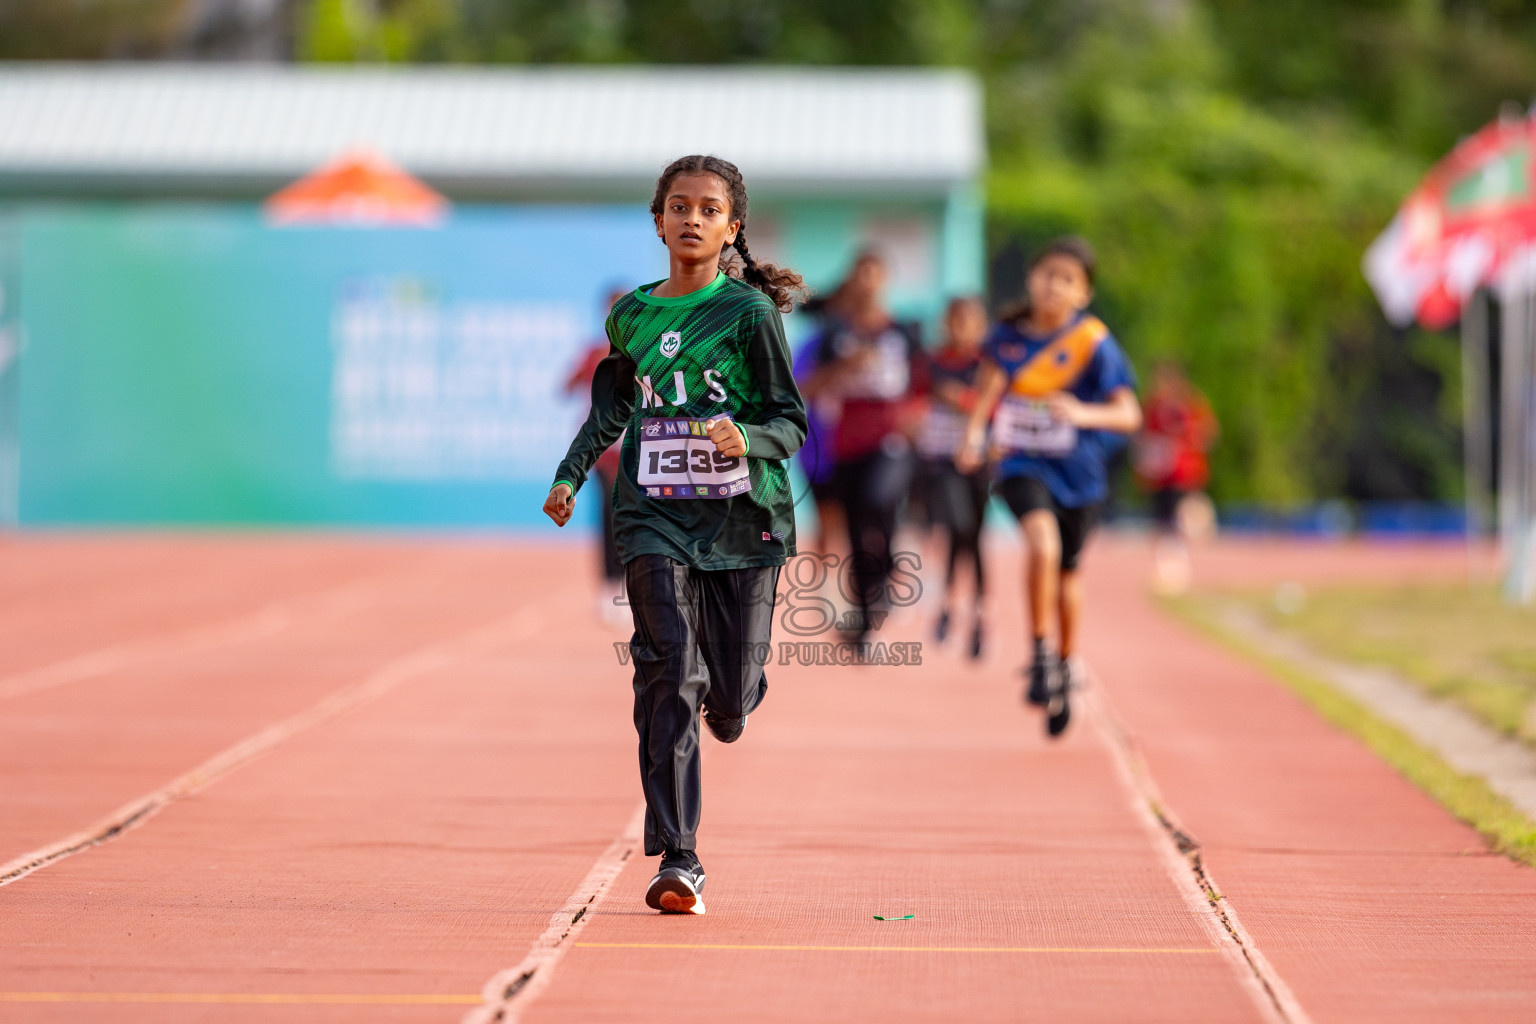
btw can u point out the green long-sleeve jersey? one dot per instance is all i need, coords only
(672, 363)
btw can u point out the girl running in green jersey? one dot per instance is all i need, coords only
(699, 372)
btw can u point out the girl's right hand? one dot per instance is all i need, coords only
(560, 504)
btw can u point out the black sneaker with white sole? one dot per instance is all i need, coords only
(726, 730)
(1043, 673)
(678, 887)
(1058, 710)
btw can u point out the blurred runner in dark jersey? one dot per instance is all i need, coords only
(956, 502)
(875, 367)
(604, 470)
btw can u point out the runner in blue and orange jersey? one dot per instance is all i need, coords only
(1061, 397)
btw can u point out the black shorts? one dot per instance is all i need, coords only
(1025, 494)
(1165, 506)
(956, 501)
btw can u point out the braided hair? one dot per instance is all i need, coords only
(780, 284)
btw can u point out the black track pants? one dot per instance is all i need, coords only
(872, 489)
(959, 503)
(701, 639)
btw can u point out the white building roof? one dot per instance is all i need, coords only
(161, 128)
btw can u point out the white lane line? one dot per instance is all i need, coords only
(264, 622)
(434, 656)
(1180, 854)
(511, 991)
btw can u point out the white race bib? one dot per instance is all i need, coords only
(1155, 456)
(942, 431)
(1027, 425)
(678, 460)
(888, 373)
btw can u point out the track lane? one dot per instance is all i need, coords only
(62, 596)
(72, 755)
(889, 791)
(403, 848)
(1367, 897)
(418, 845)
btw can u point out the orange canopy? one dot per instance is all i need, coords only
(359, 188)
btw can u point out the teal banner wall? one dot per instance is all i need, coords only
(191, 364)
(10, 376)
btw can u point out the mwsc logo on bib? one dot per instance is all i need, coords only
(670, 343)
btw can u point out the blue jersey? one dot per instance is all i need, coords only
(1081, 359)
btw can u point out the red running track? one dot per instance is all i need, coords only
(345, 779)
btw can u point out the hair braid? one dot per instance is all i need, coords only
(780, 284)
(750, 272)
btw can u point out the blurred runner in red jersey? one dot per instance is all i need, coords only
(609, 600)
(1171, 465)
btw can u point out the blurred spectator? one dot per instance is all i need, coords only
(1170, 463)
(609, 608)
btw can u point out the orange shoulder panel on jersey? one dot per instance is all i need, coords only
(1061, 362)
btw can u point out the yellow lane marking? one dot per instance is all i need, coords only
(900, 949)
(358, 999)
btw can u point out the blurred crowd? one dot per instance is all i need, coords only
(887, 414)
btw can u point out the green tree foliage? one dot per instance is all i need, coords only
(1230, 235)
(1233, 160)
(87, 29)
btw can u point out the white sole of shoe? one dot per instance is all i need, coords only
(674, 896)
(678, 903)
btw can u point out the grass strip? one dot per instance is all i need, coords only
(1468, 797)
(1463, 644)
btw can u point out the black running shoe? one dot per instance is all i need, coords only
(941, 627)
(1043, 673)
(678, 887)
(1058, 710)
(726, 730)
(978, 641)
(1071, 678)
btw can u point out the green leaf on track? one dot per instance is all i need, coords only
(907, 918)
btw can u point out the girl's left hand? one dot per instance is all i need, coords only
(971, 455)
(1066, 407)
(727, 437)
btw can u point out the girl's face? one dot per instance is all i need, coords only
(1058, 288)
(863, 298)
(965, 324)
(695, 219)
(869, 278)
(1167, 379)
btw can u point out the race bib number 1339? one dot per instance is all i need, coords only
(678, 460)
